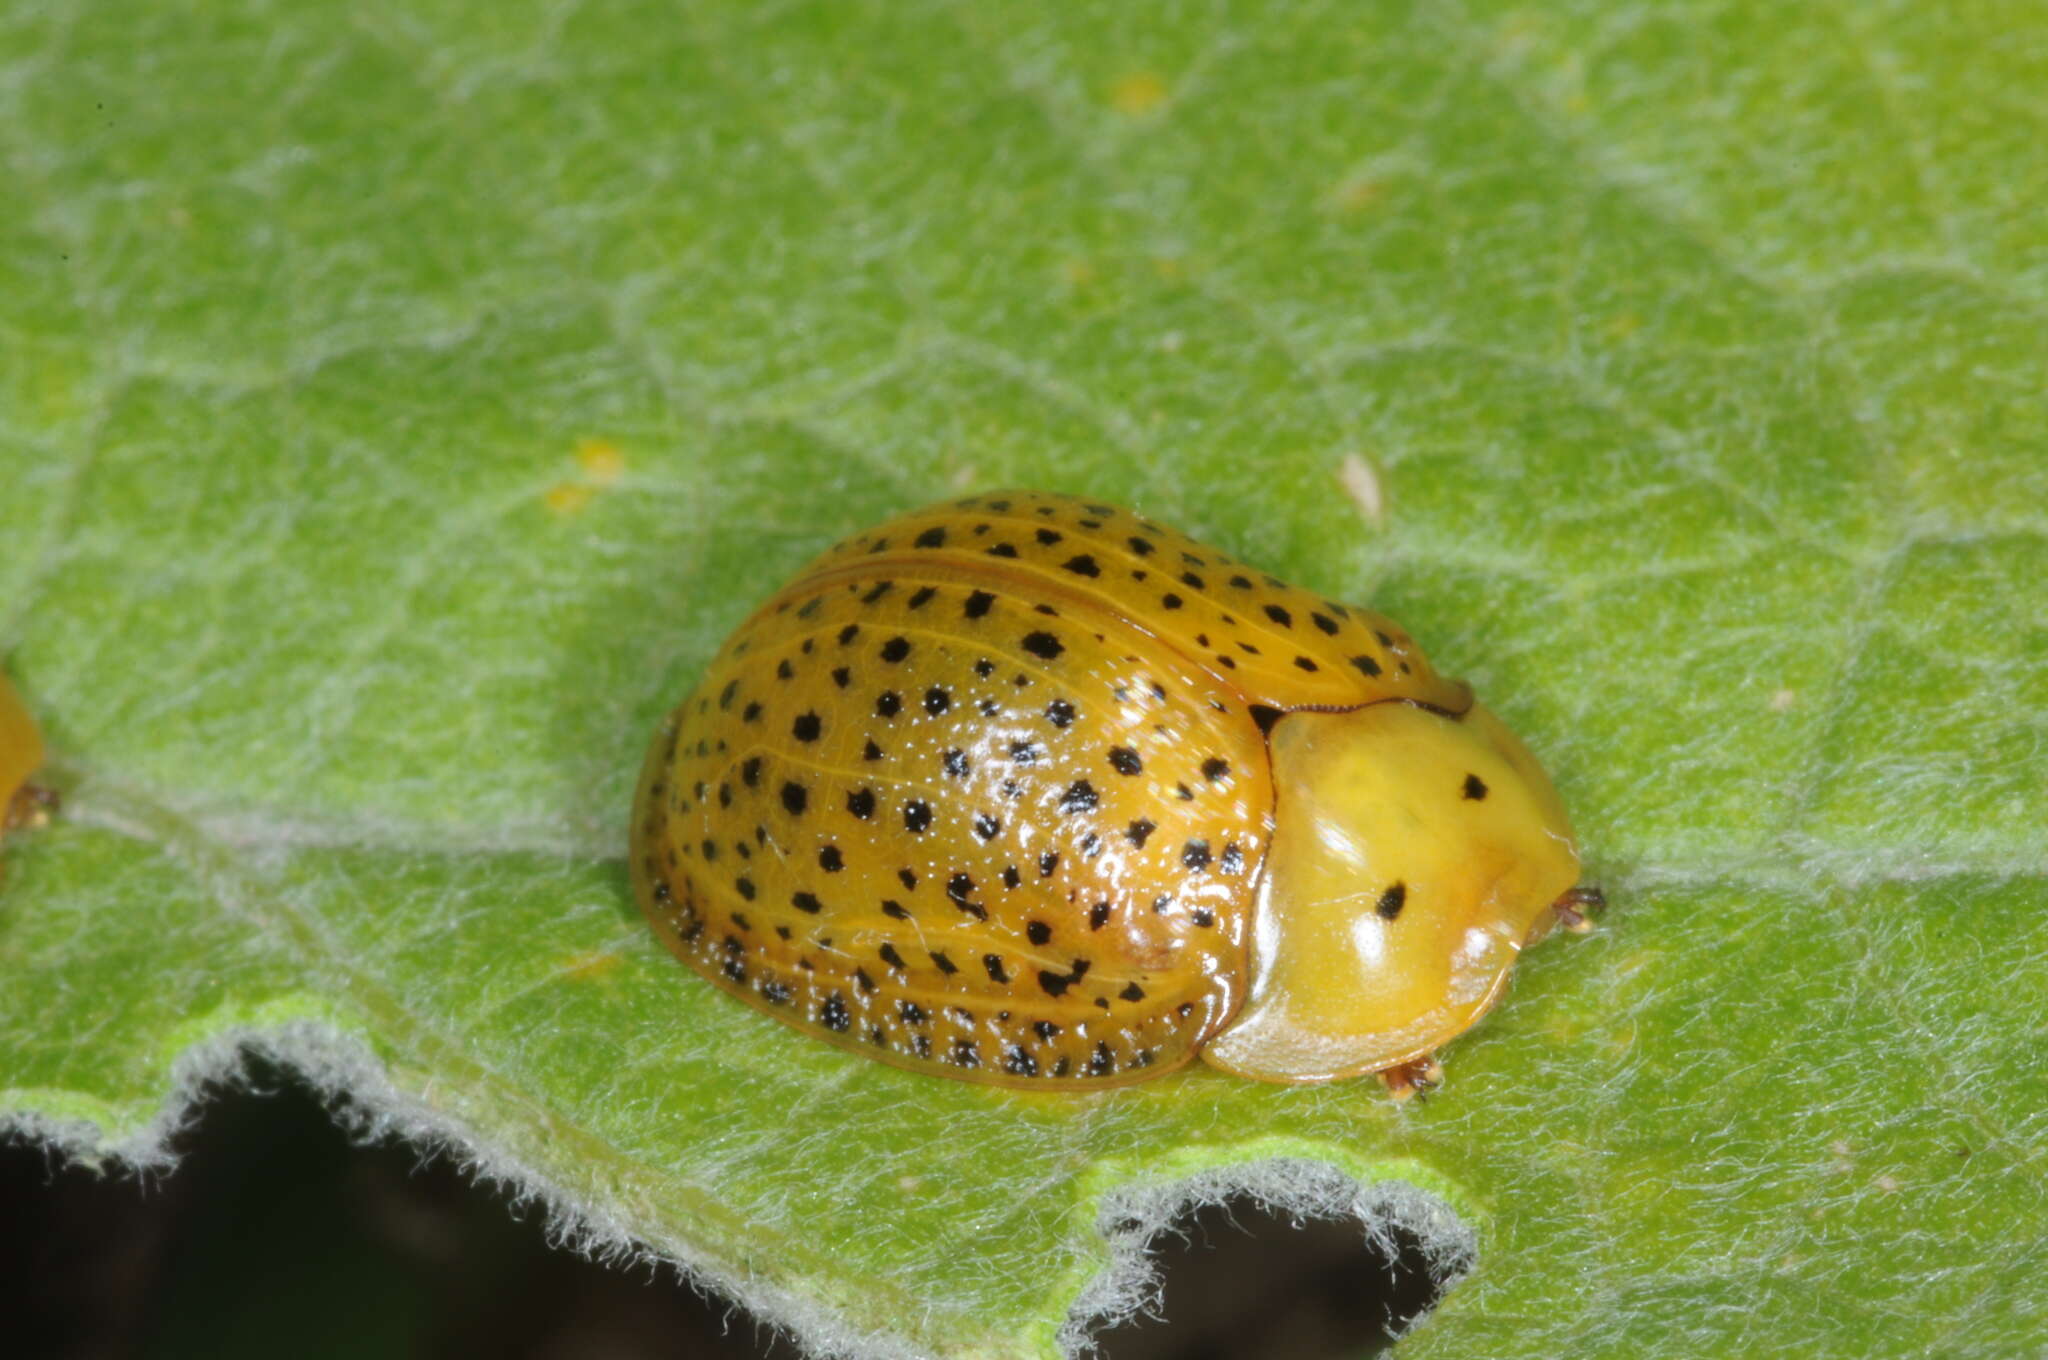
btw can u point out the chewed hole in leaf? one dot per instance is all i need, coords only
(1244, 1281)
(274, 1209)
(1280, 1257)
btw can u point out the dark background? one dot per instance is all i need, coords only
(276, 1232)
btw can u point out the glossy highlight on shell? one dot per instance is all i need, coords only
(988, 791)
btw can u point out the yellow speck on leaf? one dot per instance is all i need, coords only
(1140, 92)
(590, 967)
(599, 463)
(1783, 700)
(1622, 325)
(1356, 194)
(1077, 273)
(601, 460)
(568, 498)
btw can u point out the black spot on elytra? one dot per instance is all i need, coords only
(1391, 901)
(1305, 664)
(1049, 536)
(977, 604)
(887, 953)
(1215, 768)
(1366, 665)
(732, 687)
(1019, 1063)
(1124, 760)
(880, 589)
(794, 797)
(1048, 862)
(1279, 616)
(894, 910)
(1043, 645)
(775, 993)
(870, 751)
(912, 1013)
(954, 762)
(1011, 878)
(964, 1054)
(907, 879)
(834, 1016)
(1233, 859)
(784, 671)
(1103, 1062)
(917, 816)
(889, 703)
(1475, 787)
(942, 963)
(1038, 932)
(1098, 915)
(1059, 713)
(1083, 565)
(806, 903)
(1142, 547)
(922, 598)
(750, 771)
(848, 633)
(744, 886)
(895, 649)
(1079, 797)
(841, 676)
(1189, 578)
(1003, 550)
(1054, 984)
(1265, 717)
(862, 980)
(807, 727)
(933, 537)
(1195, 854)
(1132, 992)
(861, 803)
(994, 964)
(830, 860)
(1324, 621)
(1024, 752)
(937, 701)
(1171, 601)
(986, 827)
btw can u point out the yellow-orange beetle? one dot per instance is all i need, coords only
(1030, 790)
(21, 755)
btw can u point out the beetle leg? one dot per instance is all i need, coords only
(1416, 1077)
(1571, 908)
(31, 806)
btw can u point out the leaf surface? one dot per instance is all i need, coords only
(398, 405)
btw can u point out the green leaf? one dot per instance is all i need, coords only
(1695, 352)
